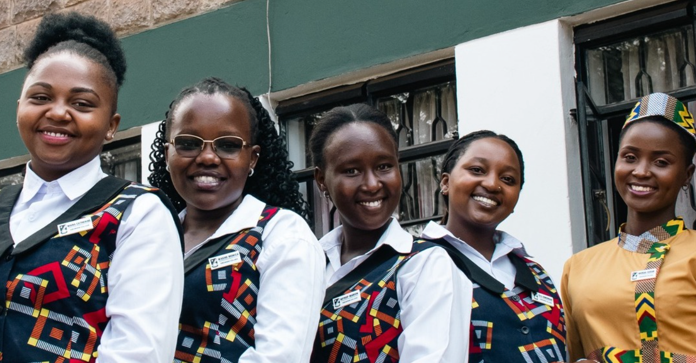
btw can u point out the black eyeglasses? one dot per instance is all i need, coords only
(226, 147)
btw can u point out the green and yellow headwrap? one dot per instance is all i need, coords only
(665, 106)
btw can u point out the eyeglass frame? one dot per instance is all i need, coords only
(212, 145)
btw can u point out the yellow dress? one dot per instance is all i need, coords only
(612, 313)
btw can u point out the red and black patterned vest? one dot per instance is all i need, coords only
(56, 291)
(220, 290)
(367, 330)
(513, 325)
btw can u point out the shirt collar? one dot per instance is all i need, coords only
(73, 185)
(511, 244)
(394, 236)
(245, 216)
(642, 243)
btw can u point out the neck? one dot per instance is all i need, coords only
(356, 242)
(639, 223)
(481, 238)
(200, 224)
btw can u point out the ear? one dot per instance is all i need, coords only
(444, 183)
(255, 153)
(689, 173)
(319, 177)
(113, 126)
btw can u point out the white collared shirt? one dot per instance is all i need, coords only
(434, 296)
(291, 265)
(146, 275)
(499, 267)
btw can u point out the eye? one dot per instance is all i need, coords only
(40, 98)
(82, 105)
(229, 145)
(187, 143)
(629, 158)
(351, 171)
(384, 167)
(508, 180)
(476, 170)
(662, 163)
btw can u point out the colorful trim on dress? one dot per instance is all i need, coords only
(649, 242)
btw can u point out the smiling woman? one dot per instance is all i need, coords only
(98, 256)
(403, 297)
(647, 272)
(516, 307)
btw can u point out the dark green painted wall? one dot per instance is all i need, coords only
(312, 40)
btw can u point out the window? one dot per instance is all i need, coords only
(421, 104)
(618, 61)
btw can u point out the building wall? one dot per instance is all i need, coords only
(311, 40)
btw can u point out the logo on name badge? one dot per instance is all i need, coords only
(347, 299)
(78, 225)
(224, 260)
(650, 273)
(542, 298)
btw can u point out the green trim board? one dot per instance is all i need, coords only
(311, 40)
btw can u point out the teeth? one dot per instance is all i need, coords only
(485, 200)
(374, 204)
(206, 179)
(55, 134)
(639, 188)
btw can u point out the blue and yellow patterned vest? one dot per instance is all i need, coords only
(56, 291)
(368, 330)
(219, 310)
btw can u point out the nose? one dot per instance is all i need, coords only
(59, 111)
(371, 182)
(208, 155)
(641, 169)
(490, 182)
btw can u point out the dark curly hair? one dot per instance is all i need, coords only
(83, 35)
(272, 182)
(459, 147)
(341, 116)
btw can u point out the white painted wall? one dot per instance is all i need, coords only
(520, 83)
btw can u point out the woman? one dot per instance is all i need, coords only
(253, 271)
(92, 264)
(388, 299)
(517, 314)
(647, 272)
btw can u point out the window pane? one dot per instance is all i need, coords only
(421, 189)
(123, 162)
(632, 68)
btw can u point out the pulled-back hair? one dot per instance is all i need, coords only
(459, 147)
(686, 140)
(339, 117)
(83, 35)
(272, 181)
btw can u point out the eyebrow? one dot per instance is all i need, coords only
(653, 152)
(72, 90)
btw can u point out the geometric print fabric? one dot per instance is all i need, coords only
(366, 330)
(56, 306)
(219, 308)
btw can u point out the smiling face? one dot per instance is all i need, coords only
(361, 175)
(650, 170)
(207, 182)
(483, 186)
(65, 113)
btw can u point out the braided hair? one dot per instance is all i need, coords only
(272, 181)
(83, 35)
(459, 147)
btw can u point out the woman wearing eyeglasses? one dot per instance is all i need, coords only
(253, 268)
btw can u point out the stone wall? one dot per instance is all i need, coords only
(19, 18)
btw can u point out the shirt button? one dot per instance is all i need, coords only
(524, 330)
(9, 257)
(32, 216)
(515, 298)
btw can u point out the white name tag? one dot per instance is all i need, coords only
(347, 299)
(78, 225)
(542, 298)
(650, 273)
(224, 260)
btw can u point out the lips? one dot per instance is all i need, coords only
(488, 202)
(641, 189)
(374, 204)
(207, 181)
(55, 137)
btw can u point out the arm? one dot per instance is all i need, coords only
(573, 342)
(291, 290)
(146, 281)
(435, 299)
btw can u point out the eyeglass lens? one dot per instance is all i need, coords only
(225, 147)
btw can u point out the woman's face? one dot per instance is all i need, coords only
(484, 185)
(650, 168)
(361, 175)
(65, 113)
(207, 182)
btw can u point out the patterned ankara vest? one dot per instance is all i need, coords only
(650, 242)
(220, 290)
(56, 290)
(368, 330)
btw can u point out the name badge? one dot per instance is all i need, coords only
(347, 299)
(542, 298)
(224, 260)
(650, 273)
(78, 225)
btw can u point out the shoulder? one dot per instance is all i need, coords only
(284, 226)
(590, 254)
